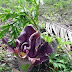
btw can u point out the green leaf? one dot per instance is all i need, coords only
(6, 17)
(55, 65)
(3, 32)
(7, 10)
(48, 39)
(70, 52)
(61, 65)
(60, 61)
(25, 67)
(4, 26)
(59, 40)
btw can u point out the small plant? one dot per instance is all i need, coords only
(59, 62)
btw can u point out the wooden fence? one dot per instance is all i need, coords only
(61, 31)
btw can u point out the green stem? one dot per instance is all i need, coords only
(52, 69)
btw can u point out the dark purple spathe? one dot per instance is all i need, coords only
(29, 42)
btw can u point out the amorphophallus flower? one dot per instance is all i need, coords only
(29, 45)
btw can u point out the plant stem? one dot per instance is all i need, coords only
(52, 69)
